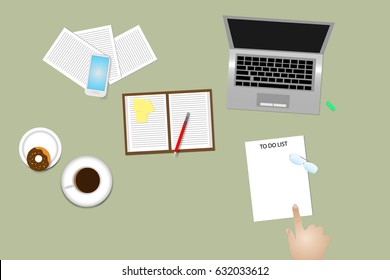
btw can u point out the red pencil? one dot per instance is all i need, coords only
(181, 134)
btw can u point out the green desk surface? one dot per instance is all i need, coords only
(196, 206)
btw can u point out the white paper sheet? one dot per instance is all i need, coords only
(198, 132)
(151, 135)
(102, 39)
(71, 56)
(133, 50)
(276, 184)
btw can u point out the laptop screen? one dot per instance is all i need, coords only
(281, 36)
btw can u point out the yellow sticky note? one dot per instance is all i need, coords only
(142, 108)
(141, 117)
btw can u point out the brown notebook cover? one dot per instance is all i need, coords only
(153, 120)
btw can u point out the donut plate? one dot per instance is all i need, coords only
(41, 137)
(73, 194)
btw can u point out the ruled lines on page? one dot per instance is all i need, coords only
(71, 56)
(151, 135)
(198, 133)
(102, 39)
(133, 50)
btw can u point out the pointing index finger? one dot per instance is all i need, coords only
(297, 218)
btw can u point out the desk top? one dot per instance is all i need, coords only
(196, 206)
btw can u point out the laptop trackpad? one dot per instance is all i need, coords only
(273, 100)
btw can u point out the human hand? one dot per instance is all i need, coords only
(306, 244)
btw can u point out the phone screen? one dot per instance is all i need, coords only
(97, 79)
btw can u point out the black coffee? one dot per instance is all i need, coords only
(87, 180)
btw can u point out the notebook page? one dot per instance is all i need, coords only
(150, 132)
(71, 56)
(198, 132)
(276, 184)
(133, 50)
(102, 39)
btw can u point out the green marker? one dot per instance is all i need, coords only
(330, 105)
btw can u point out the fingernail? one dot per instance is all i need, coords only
(295, 206)
(287, 231)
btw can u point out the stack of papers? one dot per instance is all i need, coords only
(71, 52)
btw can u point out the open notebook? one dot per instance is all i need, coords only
(153, 121)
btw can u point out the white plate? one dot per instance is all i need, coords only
(74, 194)
(41, 137)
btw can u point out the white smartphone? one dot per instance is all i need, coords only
(99, 70)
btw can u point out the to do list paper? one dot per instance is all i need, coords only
(276, 184)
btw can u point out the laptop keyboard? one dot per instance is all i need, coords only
(273, 72)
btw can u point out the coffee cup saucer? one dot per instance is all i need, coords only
(73, 194)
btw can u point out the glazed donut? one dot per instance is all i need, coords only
(32, 159)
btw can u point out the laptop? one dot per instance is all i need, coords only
(275, 65)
